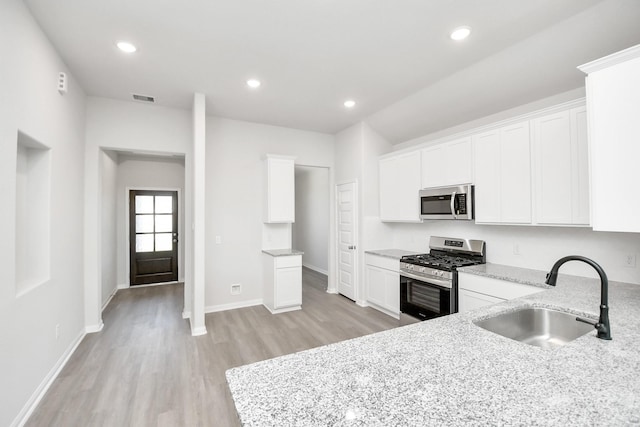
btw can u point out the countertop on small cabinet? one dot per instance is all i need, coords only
(448, 371)
(282, 252)
(525, 276)
(391, 253)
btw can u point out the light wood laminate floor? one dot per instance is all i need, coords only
(145, 368)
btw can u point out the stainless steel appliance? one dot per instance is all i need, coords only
(429, 282)
(447, 202)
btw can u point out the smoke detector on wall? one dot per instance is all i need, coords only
(143, 98)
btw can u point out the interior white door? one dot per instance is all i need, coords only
(347, 237)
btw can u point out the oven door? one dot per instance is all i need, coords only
(425, 298)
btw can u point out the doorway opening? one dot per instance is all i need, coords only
(310, 231)
(153, 236)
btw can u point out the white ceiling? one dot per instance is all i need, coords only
(393, 57)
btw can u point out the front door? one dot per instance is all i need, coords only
(153, 225)
(347, 228)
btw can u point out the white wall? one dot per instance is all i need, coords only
(141, 173)
(121, 126)
(234, 176)
(109, 282)
(539, 247)
(311, 229)
(29, 350)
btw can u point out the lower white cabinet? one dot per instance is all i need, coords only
(282, 283)
(382, 283)
(479, 291)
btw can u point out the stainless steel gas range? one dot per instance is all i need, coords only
(429, 282)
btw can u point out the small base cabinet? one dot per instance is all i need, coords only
(382, 276)
(479, 291)
(282, 283)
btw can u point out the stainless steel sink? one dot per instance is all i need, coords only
(541, 327)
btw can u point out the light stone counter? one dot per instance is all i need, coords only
(447, 371)
(391, 253)
(282, 252)
(525, 276)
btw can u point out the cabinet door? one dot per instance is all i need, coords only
(433, 167)
(469, 300)
(515, 174)
(399, 187)
(280, 190)
(487, 176)
(553, 159)
(392, 291)
(458, 162)
(375, 285)
(580, 212)
(288, 284)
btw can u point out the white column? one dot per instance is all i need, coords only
(199, 125)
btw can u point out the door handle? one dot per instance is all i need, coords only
(351, 247)
(453, 205)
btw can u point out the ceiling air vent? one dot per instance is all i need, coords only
(144, 98)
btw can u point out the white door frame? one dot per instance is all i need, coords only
(356, 251)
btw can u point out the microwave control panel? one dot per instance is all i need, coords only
(461, 204)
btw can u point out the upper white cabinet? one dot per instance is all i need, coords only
(503, 175)
(613, 103)
(280, 189)
(447, 164)
(561, 168)
(400, 183)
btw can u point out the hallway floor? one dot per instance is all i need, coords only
(145, 368)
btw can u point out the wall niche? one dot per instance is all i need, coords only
(33, 211)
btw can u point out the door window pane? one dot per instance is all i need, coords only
(144, 204)
(144, 223)
(164, 204)
(164, 223)
(144, 243)
(164, 242)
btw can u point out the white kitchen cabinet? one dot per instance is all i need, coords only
(282, 290)
(400, 183)
(447, 164)
(561, 168)
(478, 291)
(613, 105)
(469, 300)
(382, 284)
(279, 202)
(503, 175)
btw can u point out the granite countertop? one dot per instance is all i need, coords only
(526, 276)
(391, 253)
(282, 252)
(447, 371)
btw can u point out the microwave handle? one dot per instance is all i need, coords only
(453, 205)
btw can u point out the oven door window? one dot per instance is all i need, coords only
(436, 205)
(424, 296)
(425, 300)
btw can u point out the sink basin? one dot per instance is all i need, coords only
(541, 327)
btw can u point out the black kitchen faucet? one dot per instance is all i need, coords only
(602, 325)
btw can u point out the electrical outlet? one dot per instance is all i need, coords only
(218, 240)
(516, 249)
(630, 260)
(236, 289)
(57, 331)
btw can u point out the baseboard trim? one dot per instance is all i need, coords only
(332, 291)
(38, 394)
(362, 303)
(316, 269)
(106, 303)
(196, 332)
(93, 328)
(283, 310)
(123, 286)
(186, 315)
(384, 310)
(232, 306)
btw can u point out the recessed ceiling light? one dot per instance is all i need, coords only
(460, 33)
(126, 47)
(350, 103)
(253, 83)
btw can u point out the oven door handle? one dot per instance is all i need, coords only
(453, 205)
(441, 283)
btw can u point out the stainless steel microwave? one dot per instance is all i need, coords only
(447, 202)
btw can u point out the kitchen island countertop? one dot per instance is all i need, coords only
(448, 371)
